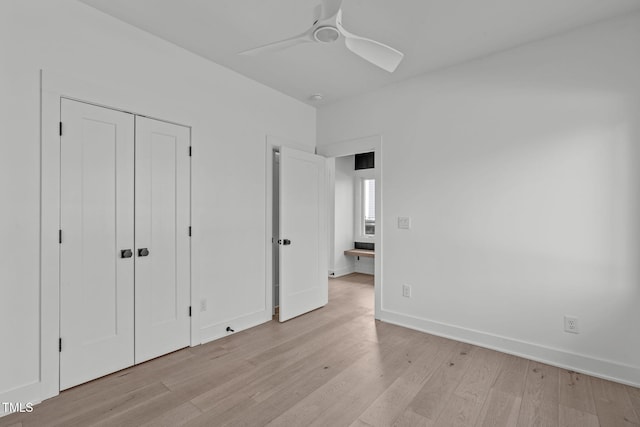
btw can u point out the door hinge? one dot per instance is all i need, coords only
(189, 311)
(189, 231)
(189, 151)
(60, 236)
(59, 345)
(60, 129)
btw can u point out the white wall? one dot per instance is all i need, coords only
(344, 215)
(521, 173)
(230, 116)
(365, 265)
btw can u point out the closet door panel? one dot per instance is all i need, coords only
(162, 242)
(97, 207)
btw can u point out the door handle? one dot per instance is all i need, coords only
(284, 242)
(143, 252)
(126, 253)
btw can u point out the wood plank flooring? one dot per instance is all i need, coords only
(334, 367)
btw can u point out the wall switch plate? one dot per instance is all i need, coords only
(203, 304)
(404, 222)
(406, 291)
(571, 325)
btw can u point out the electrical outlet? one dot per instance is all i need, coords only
(406, 291)
(571, 325)
(203, 304)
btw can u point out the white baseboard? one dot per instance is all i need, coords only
(29, 393)
(605, 369)
(342, 271)
(219, 330)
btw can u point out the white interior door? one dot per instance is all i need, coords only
(96, 221)
(162, 275)
(303, 233)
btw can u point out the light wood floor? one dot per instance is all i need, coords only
(338, 367)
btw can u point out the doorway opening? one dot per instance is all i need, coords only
(301, 171)
(354, 217)
(367, 223)
(296, 223)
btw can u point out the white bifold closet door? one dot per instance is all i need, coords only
(125, 252)
(97, 225)
(162, 238)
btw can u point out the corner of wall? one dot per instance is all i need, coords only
(343, 271)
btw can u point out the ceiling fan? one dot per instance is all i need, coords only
(328, 28)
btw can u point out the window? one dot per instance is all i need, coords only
(369, 207)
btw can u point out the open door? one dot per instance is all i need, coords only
(303, 233)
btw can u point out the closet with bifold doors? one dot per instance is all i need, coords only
(124, 240)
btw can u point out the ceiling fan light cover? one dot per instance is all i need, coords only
(326, 34)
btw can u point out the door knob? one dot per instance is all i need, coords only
(143, 252)
(126, 253)
(284, 242)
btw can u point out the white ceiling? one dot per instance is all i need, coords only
(431, 33)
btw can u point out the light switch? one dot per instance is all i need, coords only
(404, 222)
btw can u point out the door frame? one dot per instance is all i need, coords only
(348, 148)
(54, 87)
(273, 143)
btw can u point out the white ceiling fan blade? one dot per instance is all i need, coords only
(330, 8)
(375, 52)
(280, 45)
